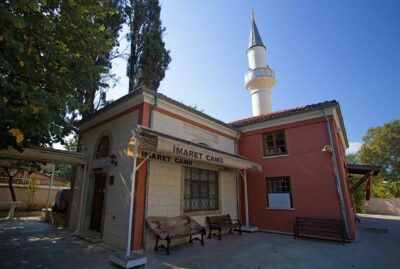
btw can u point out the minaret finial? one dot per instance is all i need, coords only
(252, 15)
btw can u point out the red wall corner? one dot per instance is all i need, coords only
(140, 187)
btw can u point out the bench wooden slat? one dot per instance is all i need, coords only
(168, 228)
(334, 226)
(221, 222)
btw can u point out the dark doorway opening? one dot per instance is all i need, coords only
(98, 202)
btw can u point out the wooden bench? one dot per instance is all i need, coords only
(324, 226)
(168, 228)
(222, 222)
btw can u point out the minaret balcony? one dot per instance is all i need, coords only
(261, 72)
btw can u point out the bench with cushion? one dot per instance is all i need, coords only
(222, 222)
(313, 227)
(168, 228)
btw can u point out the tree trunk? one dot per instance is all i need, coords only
(10, 185)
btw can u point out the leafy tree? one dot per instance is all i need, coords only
(30, 194)
(52, 55)
(352, 158)
(11, 169)
(65, 171)
(359, 194)
(381, 147)
(149, 59)
(94, 97)
(359, 197)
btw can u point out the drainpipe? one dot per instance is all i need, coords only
(336, 172)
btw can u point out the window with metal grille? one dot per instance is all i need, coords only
(274, 143)
(201, 190)
(279, 192)
(103, 149)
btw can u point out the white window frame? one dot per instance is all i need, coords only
(279, 192)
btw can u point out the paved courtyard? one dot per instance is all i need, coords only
(28, 243)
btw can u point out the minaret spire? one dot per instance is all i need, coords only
(254, 38)
(259, 79)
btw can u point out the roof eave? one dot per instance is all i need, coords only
(290, 113)
(342, 123)
(192, 110)
(121, 100)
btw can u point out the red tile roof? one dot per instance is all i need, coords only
(281, 113)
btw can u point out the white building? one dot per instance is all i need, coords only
(191, 167)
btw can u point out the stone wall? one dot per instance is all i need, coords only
(40, 198)
(382, 206)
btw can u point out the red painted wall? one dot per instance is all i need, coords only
(311, 174)
(140, 188)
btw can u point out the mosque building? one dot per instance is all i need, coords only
(264, 170)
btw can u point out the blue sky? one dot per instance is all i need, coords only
(320, 50)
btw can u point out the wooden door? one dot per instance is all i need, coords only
(98, 202)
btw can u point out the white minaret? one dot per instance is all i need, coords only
(260, 79)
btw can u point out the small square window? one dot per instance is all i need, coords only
(201, 190)
(274, 143)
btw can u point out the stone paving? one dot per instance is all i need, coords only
(29, 243)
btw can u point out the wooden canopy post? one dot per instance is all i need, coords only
(368, 189)
(354, 187)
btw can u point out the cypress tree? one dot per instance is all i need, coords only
(149, 59)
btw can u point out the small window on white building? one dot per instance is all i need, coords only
(279, 192)
(201, 190)
(103, 149)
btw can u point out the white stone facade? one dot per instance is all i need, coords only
(116, 203)
(164, 180)
(189, 132)
(165, 189)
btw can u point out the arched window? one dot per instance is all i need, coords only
(103, 149)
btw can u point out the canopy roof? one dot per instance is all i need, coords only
(164, 143)
(361, 169)
(49, 155)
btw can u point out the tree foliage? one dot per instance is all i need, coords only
(352, 158)
(11, 169)
(65, 171)
(381, 147)
(359, 193)
(94, 97)
(52, 55)
(149, 59)
(30, 194)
